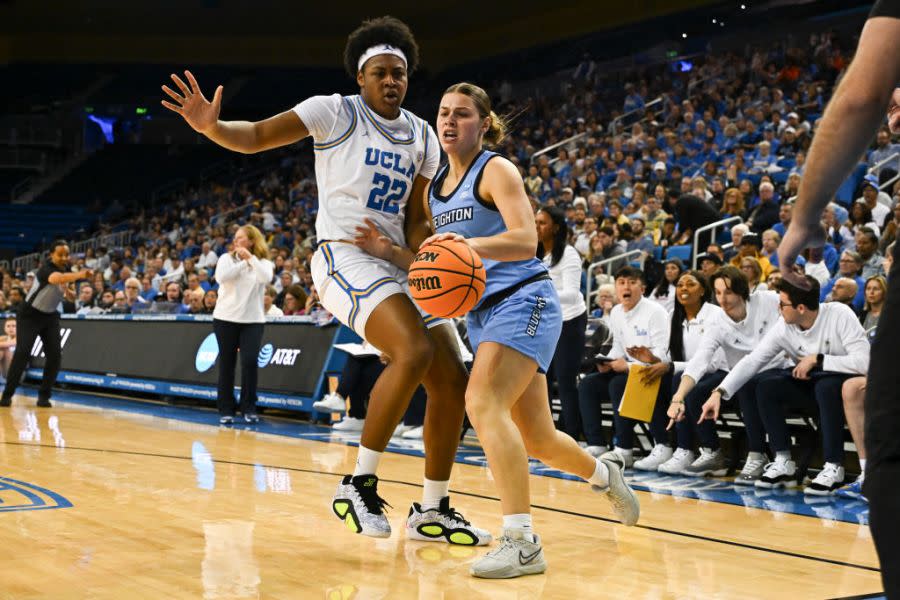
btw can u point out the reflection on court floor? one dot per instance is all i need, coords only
(162, 502)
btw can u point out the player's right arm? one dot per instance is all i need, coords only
(241, 136)
(855, 110)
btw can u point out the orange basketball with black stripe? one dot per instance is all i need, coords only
(447, 278)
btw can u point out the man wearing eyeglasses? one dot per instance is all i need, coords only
(133, 296)
(827, 345)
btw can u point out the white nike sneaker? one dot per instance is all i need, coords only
(514, 556)
(681, 459)
(830, 478)
(781, 473)
(416, 433)
(400, 429)
(349, 424)
(444, 524)
(659, 455)
(331, 402)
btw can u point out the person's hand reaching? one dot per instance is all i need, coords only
(200, 113)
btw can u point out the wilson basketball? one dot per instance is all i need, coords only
(446, 279)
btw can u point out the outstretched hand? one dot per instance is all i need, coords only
(200, 113)
(370, 240)
(798, 238)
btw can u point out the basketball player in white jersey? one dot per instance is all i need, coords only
(374, 161)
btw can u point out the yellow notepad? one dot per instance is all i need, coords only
(639, 399)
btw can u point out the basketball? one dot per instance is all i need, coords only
(446, 279)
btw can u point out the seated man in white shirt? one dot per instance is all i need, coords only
(635, 323)
(828, 346)
(269, 308)
(208, 258)
(745, 319)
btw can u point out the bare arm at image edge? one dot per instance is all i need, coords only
(851, 117)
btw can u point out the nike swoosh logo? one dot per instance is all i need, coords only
(525, 559)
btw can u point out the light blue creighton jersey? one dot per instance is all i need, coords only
(463, 212)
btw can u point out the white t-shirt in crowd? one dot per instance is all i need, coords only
(207, 260)
(693, 331)
(566, 277)
(242, 284)
(274, 311)
(737, 339)
(647, 324)
(837, 334)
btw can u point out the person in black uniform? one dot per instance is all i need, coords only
(855, 112)
(38, 317)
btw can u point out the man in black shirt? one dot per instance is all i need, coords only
(38, 317)
(693, 213)
(851, 118)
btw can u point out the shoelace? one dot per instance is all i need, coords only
(753, 464)
(374, 503)
(778, 465)
(456, 516)
(681, 453)
(504, 543)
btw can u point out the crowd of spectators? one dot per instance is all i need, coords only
(728, 139)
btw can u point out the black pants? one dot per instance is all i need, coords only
(882, 426)
(30, 325)
(822, 390)
(231, 336)
(357, 380)
(746, 398)
(597, 388)
(564, 370)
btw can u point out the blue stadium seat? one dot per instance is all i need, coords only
(787, 163)
(680, 252)
(845, 193)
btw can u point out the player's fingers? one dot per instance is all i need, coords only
(181, 85)
(671, 423)
(171, 106)
(173, 94)
(217, 97)
(193, 81)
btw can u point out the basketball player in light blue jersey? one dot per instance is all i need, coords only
(479, 199)
(374, 161)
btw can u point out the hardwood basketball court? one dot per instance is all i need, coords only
(109, 498)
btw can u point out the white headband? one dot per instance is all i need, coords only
(380, 49)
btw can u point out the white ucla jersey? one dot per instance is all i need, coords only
(365, 164)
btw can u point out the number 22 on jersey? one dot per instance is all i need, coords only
(388, 192)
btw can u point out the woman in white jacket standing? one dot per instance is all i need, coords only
(238, 319)
(564, 264)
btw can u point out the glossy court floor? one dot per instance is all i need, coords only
(111, 498)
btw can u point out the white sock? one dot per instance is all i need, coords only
(600, 478)
(519, 522)
(755, 456)
(786, 454)
(624, 452)
(433, 492)
(862, 465)
(366, 461)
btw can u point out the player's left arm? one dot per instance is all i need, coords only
(502, 186)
